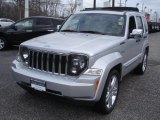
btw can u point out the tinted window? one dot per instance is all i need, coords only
(24, 24)
(139, 22)
(43, 22)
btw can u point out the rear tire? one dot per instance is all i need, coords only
(2, 43)
(110, 93)
(141, 68)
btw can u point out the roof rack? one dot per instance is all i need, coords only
(114, 9)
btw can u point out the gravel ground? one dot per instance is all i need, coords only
(139, 97)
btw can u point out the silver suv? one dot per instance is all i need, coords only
(87, 58)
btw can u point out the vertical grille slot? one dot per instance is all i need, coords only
(66, 66)
(45, 61)
(42, 61)
(56, 63)
(47, 67)
(59, 69)
(53, 63)
(63, 64)
(30, 58)
(39, 60)
(48, 62)
(34, 60)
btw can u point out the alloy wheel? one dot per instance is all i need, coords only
(112, 92)
(1, 44)
(144, 66)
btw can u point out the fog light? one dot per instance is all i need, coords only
(18, 58)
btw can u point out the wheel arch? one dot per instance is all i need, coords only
(147, 50)
(118, 67)
(107, 64)
(2, 34)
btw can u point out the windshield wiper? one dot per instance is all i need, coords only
(67, 30)
(93, 32)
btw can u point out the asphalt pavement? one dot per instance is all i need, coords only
(139, 97)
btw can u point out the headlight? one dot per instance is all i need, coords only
(24, 54)
(77, 64)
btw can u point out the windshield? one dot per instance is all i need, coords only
(95, 23)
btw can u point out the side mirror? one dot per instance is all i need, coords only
(58, 27)
(13, 27)
(136, 33)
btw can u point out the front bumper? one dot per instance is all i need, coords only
(81, 88)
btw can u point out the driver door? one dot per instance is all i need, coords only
(131, 54)
(21, 31)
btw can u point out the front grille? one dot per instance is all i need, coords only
(55, 63)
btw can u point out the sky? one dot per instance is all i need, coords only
(150, 4)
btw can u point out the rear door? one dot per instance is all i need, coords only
(43, 26)
(141, 24)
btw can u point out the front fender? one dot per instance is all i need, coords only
(106, 63)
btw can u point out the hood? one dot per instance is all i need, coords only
(3, 29)
(90, 44)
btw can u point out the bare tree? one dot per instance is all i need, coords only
(72, 5)
(20, 7)
(14, 9)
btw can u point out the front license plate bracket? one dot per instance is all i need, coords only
(38, 85)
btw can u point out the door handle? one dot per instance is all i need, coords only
(28, 30)
(50, 30)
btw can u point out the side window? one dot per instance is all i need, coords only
(132, 24)
(25, 24)
(139, 23)
(43, 22)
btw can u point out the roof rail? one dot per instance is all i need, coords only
(120, 9)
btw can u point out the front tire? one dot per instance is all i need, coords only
(110, 93)
(2, 43)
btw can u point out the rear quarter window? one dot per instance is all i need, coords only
(43, 22)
